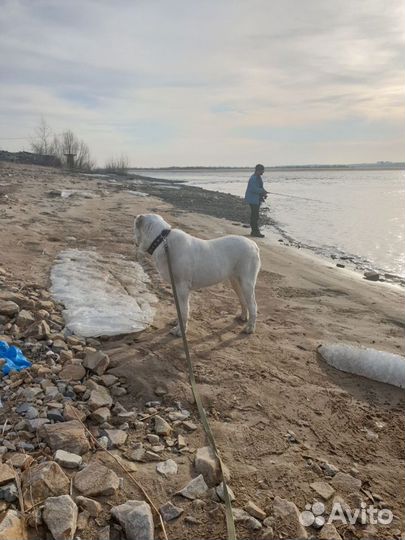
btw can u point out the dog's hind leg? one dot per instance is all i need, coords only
(248, 290)
(183, 294)
(237, 288)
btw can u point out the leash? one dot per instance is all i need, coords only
(230, 524)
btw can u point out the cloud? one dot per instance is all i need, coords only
(207, 82)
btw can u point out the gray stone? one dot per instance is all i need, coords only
(167, 467)
(371, 275)
(69, 436)
(9, 492)
(60, 516)
(136, 519)
(25, 318)
(68, 460)
(249, 521)
(195, 488)
(220, 491)
(207, 464)
(96, 479)
(8, 308)
(329, 532)
(116, 437)
(99, 397)
(346, 483)
(169, 511)
(323, 489)
(138, 454)
(97, 362)
(189, 425)
(151, 456)
(36, 424)
(287, 519)
(162, 427)
(101, 415)
(91, 506)
(329, 469)
(72, 372)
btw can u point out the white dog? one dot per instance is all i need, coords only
(200, 263)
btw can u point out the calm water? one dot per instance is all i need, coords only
(355, 213)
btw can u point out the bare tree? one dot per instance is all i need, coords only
(117, 165)
(42, 142)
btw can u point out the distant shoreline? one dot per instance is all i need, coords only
(354, 167)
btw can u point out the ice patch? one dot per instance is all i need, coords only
(103, 295)
(376, 365)
(77, 192)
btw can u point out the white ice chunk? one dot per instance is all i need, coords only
(103, 295)
(376, 365)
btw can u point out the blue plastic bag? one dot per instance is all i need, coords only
(13, 357)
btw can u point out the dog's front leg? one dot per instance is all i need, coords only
(183, 294)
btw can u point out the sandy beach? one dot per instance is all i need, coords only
(279, 413)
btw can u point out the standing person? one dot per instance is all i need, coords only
(255, 195)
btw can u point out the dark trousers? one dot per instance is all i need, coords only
(254, 217)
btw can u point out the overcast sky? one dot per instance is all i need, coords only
(207, 82)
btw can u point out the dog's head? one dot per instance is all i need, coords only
(146, 228)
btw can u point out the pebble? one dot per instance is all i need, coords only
(323, 489)
(190, 426)
(161, 427)
(195, 488)
(136, 519)
(169, 511)
(252, 509)
(220, 491)
(166, 468)
(68, 459)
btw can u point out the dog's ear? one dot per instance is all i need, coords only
(139, 221)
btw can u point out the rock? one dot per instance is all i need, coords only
(220, 491)
(92, 507)
(83, 520)
(162, 427)
(323, 489)
(118, 391)
(6, 474)
(116, 437)
(151, 456)
(195, 489)
(72, 372)
(167, 467)
(41, 330)
(59, 345)
(286, 519)
(329, 532)
(371, 275)
(207, 464)
(68, 460)
(169, 511)
(241, 516)
(60, 516)
(42, 481)
(329, 469)
(104, 533)
(109, 380)
(136, 519)
(97, 362)
(20, 460)
(101, 415)
(160, 391)
(96, 479)
(153, 439)
(55, 415)
(345, 482)
(73, 413)
(69, 436)
(99, 397)
(267, 534)
(138, 454)
(36, 424)
(252, 509)
(9, 492)
(181, 442)
(12, 527)
(8, 308)
(190, 426)
(25, 318)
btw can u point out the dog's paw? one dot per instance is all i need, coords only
(249, 329)
(176, 331)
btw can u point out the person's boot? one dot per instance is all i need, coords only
(257, 234)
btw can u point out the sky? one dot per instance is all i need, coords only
(207, 82)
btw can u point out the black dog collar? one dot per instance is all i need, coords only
(157, 241)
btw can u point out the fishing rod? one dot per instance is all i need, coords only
(294, 196)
